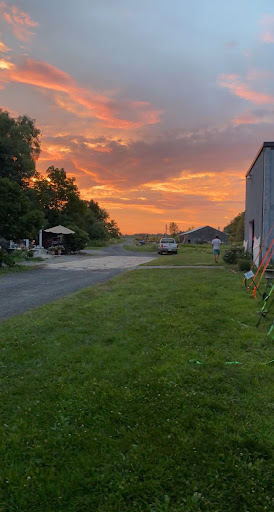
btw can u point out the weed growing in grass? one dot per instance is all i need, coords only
(101, 409)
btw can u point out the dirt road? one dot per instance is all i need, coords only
(59, 276)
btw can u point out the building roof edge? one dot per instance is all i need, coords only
(264, 145)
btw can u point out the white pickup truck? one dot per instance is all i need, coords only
(167, 245)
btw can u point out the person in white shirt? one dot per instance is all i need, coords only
(216, 242)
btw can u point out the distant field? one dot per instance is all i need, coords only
(105, 406)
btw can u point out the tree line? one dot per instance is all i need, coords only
(31, 201)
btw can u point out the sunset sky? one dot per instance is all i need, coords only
(156, 107)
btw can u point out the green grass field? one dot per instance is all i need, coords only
(190, 255)
(102, 411)
(200, 254)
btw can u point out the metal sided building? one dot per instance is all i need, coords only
(205, 234)
(259, 209)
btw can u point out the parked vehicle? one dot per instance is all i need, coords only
(167, 245)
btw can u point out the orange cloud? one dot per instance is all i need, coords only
(144, 184)
(4, 48)
(5, 64)
(85, 171)
(174, 193)
(101, 148)
(54, 152)
(132, 217)
(19, 21)
(101, 173)
(99, 106)
(238, 88)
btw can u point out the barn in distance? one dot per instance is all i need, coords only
(201, 235)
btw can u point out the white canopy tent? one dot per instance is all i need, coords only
(60, 230)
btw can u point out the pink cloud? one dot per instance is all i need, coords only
(246, 118)
(255, 117)
(113, 113)
(20, 21)
(267, 19)
(4, 48)
(268, 22)
(268, 38)
(240, 89)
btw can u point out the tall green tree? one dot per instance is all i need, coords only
(55, 190)
(18, 218)
(113, 229)
(100, 213)
(19, 148)
(30, 200)
(60, 200)
(76, 211)
(235, 229)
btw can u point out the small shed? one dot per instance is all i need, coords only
(205, 234)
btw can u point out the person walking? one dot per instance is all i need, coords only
(216, 242)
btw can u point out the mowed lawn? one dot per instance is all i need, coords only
(105, 408)
(188, 254)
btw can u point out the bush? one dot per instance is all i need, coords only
(231, 256)
(6, 258)
(9, 260)
(79, 239)
(2, 256)
(244, 264)
(19, 255)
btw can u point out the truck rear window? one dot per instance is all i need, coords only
(168, 241)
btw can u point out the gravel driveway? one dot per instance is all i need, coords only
(62, 275)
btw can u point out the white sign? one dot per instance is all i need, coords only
(249, 274)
